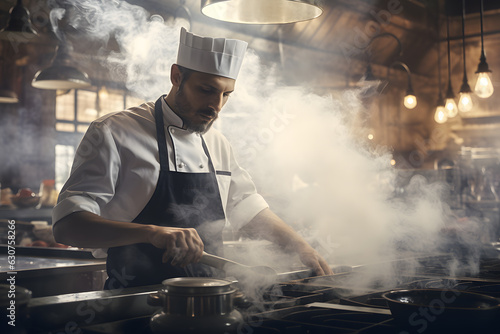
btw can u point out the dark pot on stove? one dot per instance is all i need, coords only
(195, 305)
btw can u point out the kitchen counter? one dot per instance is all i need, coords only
(53, 271)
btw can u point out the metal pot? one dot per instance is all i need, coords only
(195, 305)
(439, 309)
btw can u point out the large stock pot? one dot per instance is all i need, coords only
(195, 305)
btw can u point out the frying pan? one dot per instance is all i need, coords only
(263, 275)
(421, 310)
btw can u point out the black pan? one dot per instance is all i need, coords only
(432, 310)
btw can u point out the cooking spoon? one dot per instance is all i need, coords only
(238, 270)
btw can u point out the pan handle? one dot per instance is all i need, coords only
(216, 261)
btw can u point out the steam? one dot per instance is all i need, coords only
(306, 151)
(56, 15)
(308, 156)
(147, 44)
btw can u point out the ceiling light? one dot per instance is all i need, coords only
(19, 25)
(440, 115)
(483, 87)
(410, 100)
(261, 11)
(369, 76)
(182, 16)
(61, 75)
(450, 104)
(8, 96)
(465, 101)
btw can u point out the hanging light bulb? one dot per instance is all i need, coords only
(451, 107)
(465, 101)
(450, 104)
(441, 114)
(484, 87)
(410, 100)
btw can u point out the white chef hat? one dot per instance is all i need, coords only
(219, 56)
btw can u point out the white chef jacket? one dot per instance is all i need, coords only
(116, 167)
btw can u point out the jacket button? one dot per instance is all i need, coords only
(181, 165)
(201, 166)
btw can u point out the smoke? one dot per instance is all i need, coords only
(306, 152)
(308, 156)
(56, 15)
(147, 44)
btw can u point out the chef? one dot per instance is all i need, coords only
(153, 186)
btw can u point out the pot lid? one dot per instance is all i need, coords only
(197, 285)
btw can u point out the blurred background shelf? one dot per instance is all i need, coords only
(28, 214)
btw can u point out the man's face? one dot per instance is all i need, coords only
(200, 98)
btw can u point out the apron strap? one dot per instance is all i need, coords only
(160, 134)
(205, 148)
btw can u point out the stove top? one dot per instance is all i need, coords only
(337, 303)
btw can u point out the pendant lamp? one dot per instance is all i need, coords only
(8, 96)
(465, 101)
(261, 11)
(409, 101)
(450, 104)
(440, 115)
(483, 87)
(61, 74)
(19, 26)
(182, 16)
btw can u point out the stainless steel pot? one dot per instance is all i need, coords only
(195, 305)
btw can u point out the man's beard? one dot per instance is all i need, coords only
(183, 108)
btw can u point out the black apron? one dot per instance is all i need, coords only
(187, 200)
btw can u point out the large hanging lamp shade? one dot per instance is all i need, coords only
(61, 75)
(19, 25)
(8, 96)
(261, 11)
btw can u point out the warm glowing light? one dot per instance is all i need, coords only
(260, 11)
(393, 162)
(410, 101)
(91, 112)
(451, 108)
(465, 102)
(484, 87)
(370, 136)
(441, 115)
(103, 93)
(139, 47)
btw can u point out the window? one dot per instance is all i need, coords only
(75, 110)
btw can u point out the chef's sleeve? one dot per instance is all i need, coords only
(94, 174)
(244, 203)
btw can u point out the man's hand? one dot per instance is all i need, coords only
(313, 260)
(182, 245)
(266, 224)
